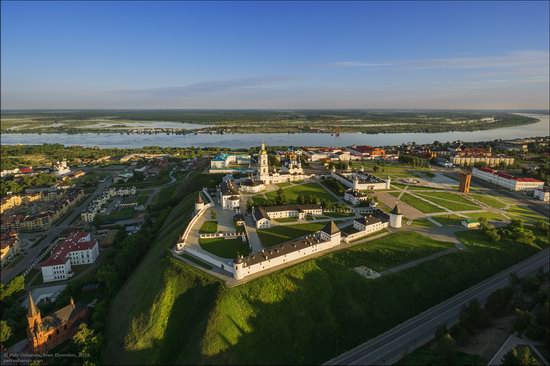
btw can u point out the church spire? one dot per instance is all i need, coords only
(33, 310)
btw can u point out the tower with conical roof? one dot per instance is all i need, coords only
(396, 217)
(331, 233)
(33, 314)
(199, 204)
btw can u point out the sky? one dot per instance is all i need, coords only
(285, 55)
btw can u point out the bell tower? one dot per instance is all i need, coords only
(263, 165)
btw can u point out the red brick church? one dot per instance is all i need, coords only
(46, 333)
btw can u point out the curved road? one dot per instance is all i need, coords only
(389, 347)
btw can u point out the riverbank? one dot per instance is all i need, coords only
(246, 140)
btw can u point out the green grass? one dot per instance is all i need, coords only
(209, 227)
(423, 223)
(524, 213)
(287, 219)
(313, 189)
(280, 234)
(259, 200)
(119, 214)
(491, 216)
(225, 248)
(449, 220)
(449, 200)
(284, 185)
(417, 203)
(488, 200)
(338, 214)
(196, 261)
(394, 170)
(171, 313)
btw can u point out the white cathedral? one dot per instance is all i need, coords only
(292, 172)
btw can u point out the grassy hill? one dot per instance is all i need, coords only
(169, 312)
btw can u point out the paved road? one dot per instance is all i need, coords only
(391, 346)
(50, 235)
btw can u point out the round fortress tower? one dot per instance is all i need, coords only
(199, 204)
(395, 217)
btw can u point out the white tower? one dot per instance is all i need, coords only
(395, 217)
(199, 204)
(355, 183)
(263, 165)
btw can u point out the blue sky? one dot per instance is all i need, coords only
(275, 55)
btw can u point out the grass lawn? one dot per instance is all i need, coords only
(420, 188)
(422, 223)
(196, 261)
(338, 214)
(449, 200)
(394, 170)
(313, 189)
(280, 234)
(524, 213)
(488, 200)
(287, 219)
(449, 220)
(225, 248)
(284, 185)
(417, 203)
(209, 227)
(259, 200)
(491, 216)
(120, 214)
(143, 196)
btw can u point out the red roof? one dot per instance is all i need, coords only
(509, 176)
(75, 242)
(26, 169)
(363, 148)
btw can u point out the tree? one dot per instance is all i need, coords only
(5, 332)
(249, 205)
(498, 302)
(88, 343)
(524, 321)
(474, 317)
(459, 334)
(281, 198)
(519, 357)
(447, 349)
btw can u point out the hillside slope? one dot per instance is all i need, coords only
(169, 312)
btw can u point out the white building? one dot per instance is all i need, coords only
(327, 238)
(230, 198)
(230, 163)
(369, 224)
(252, 186)
(542, 194)
(263, 215)
(506, 180)
(265, 177)
(79, 248)
(60, 168)
(130, 191)
(361, 181)
(356, 197)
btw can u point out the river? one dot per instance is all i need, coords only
(245, 140)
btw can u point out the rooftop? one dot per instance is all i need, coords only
(78, 240)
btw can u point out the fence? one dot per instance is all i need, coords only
(183, 238)
(227, 235)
